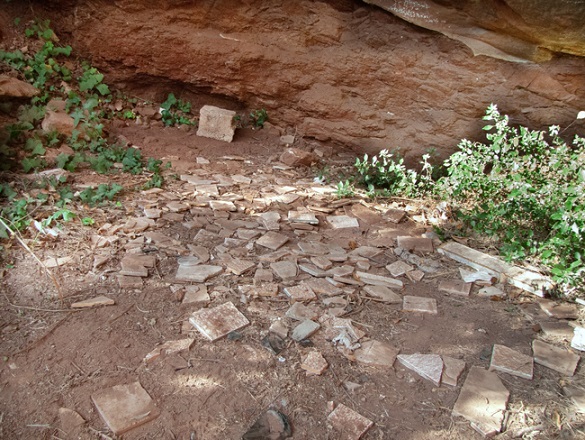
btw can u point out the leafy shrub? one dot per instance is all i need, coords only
(175, 112)
(525, 187)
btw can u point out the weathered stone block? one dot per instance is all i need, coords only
(216, 123)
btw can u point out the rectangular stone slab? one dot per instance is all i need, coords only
(349, 424)
(217, 322)
(124, 407)
(555, 358)
(482, 401)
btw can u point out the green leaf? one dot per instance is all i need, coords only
(103, 89)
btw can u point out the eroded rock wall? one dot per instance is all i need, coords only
(334, 70)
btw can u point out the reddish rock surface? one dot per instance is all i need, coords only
(335, 70)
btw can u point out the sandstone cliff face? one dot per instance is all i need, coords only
(334, 70)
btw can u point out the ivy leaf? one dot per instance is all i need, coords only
(103, 89)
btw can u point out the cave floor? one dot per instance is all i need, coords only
(57, 358)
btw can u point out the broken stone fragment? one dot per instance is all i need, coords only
(300, 292)
(302, 217)
(348, 424)
(559, 310)
(399, 268)
(293, 157)
(416, 244)
(279, 327)
(15, 88)
(429, 366)
(127, 282)
(239, 267)
(452, 370)
(94, 302)
(124, 407)
(217, 322)
(222, 205)
(299, 312)
(305, 330)
(376, 353)
(198, 273)
(342, 221)
(285, 270)
(57, 119)
(195, 294)
(456, 287)
(272, 425)
(56, 262)
(482, 401)
(510, 361)
(272, 240)
(216, 123)
(383, 293)
(378, 280)
(169, 347)
(314, 364)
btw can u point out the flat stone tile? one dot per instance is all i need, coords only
(577, 395)
(383, 293)
(476, 276)
(124, 407)
(197, 274)
(482, 401)
(188, 260)
(349, 424)
(555, 358)
(560, 329)
(312, 270)
(70, 421)
(419, 304)
(376, 353)
(270, 220)
(196, 180)
(302, 217)
(415, 275)
(279, 328)
(301, 292)
(247, 234)
(455, 287)
(178, 206)
(238, 178)
(429, 366)
(221, 205)
(239, 267)
(272, 240)
(313, 248)
(323, 287)
(342, 221)
(314, 364)
(132, 269)
(299, 312)
(195, 294)
(416, 244)
(559, 310)
(93, 302)
(378, 280)
(263, 290)
(510, 361)
(369, 252)
(208, 189)
(263, 276)
(305, 330)
(395, 215)
(272, 425)
(217, 322)
(399, 268)
(491, 291)
(127, 282)
(452, 370)
(285, 270)
(322, 262)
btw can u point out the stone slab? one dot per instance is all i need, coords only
(560, 329)
(399, 268)
(482, 401)
(524, 279)
(314, 364)
(376, 353)
(169, 347)
(270, 220)
(395, 215)
(285, 270)
(222, 205)
(312, 270)
(510, 361)
(299, 312)
(452, 370)
(127, 282)
(455, 287)
(415, 275)
(578, 340)
(559, 310)
(217, 322)
(383, 293)
(279, 328)
(349, 424)
(419, 304)
(272, 240)
(415, 244)
(555, 358)
(342, 221)
(323, 287)
(197, 274)
(302, 217)
(305, 330)
(195, 294)
(94, 302)
(124, 407)
(239, 267)
(216, 123)
(300, 292)
(429, 366)
(378, 280)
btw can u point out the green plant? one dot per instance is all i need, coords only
(345, 189)
(87, 221)
(258, 118)
(95, 196)
(91, 80)
(175, 112)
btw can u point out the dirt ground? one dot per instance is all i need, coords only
(54, 357)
